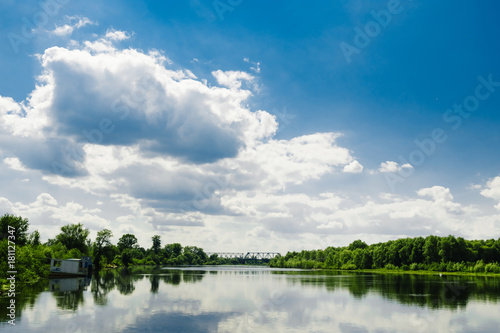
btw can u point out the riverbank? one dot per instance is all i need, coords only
(5, 285)
(420, 272)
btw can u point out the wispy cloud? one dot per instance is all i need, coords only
(391, 166)
(74, 22)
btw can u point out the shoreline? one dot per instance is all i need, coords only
(408, 272)
(4, 284)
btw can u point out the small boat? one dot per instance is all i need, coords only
(70, 267)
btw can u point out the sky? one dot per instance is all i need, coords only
(238, 125)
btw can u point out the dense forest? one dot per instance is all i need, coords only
(32, 258)
(433, 253)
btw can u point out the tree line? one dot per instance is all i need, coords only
(434, 253)
(33, 256)
(446, 254)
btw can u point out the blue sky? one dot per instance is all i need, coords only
(251, 127)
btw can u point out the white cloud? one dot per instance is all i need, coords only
(9, 106)
(278, 163)
(116, 35)
(353, 167)
(300, 214)
(74, 22)
(391, 166)
(232, 79)
(14, 163)
(47, 213)
(259, 232)
(255, 67)
(492, 190)
(437, 193)
(99, 94)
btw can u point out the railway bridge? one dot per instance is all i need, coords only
(264, 256)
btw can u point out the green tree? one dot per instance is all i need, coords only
(417, 255)
(405, 251)
(173, 250)
(367, 259)
(392, 253)
(34, 238)
(74, 236)
(345, 256)
(357, 244)
(137, 253)
(461, 252)
(16, 226)
(431, 249)
(378, 257)
(126, 257)
(194, 255)
(445, 249)
(156, 243)
(357, 258)
(127, 241)
(102, 242)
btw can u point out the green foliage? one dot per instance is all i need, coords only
(431, 249)
(16, 226)
(127, 241)
(357, 244)
(73, 253)
(156, 243)
(31, 262)
(126, 257)
(74, 236)
(442, 254)
(101, 247)
(390, 266)
(492, 268)
(479, 267)
(34, 238)
(57, 250)
(172, 250)
(349, 266)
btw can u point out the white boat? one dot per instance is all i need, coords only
(70, 267)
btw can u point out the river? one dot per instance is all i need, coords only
(256, 299)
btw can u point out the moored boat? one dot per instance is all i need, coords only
(70, 267)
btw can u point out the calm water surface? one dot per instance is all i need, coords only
(257, 299)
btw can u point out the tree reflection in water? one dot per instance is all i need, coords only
(447, 291)
(102, 283)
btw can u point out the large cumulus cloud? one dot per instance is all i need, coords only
(105, 96)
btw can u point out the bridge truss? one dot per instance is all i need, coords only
(246, 256)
